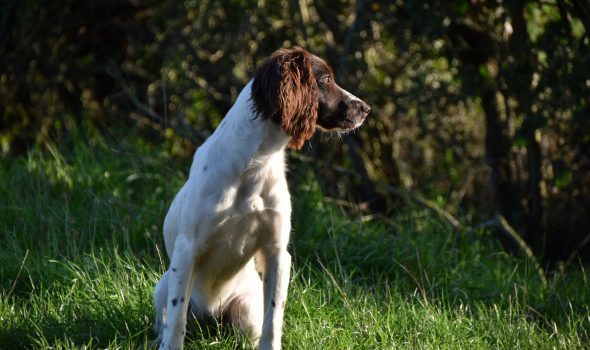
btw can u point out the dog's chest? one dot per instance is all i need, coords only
(252, 193)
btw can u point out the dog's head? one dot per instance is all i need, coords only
(297, 90)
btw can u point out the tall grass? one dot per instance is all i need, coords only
(82, 251)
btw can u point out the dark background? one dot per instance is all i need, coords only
(480, 108)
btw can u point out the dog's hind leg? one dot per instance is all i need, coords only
(245, 313)
(160, 296)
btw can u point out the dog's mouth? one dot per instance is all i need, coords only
(352, 119)
(346, 126)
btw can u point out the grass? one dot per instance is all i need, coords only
(82, 251)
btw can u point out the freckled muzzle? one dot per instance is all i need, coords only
(349, 115)
(356, 112)
(359, 109)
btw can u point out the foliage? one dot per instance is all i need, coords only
(477, 104)
(82, 249)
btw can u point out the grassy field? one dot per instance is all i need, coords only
(81, 251)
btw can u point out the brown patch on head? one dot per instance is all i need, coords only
(285, 90)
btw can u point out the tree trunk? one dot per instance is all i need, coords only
(497, 146)
(520, 86)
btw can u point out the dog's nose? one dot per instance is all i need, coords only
(365, 108)
(362, 107)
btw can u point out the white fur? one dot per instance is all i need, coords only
(235, 206)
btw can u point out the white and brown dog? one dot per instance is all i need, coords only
(228, 228)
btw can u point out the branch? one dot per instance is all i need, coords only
(500, 222)
(577, 250)
(184, 130)
(397, 191)
(22, 265)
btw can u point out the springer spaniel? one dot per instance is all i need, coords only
(228, 228)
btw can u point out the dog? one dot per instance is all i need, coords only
(227, 230)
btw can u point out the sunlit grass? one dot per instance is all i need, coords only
(82, 251)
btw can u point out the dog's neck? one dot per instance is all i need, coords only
(244, 136)
(275, 140)
(267, 136)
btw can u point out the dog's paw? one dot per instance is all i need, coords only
(176, 343)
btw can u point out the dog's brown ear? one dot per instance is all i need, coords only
(285, 90)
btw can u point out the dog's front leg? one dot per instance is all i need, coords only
(276, 283)
(180, 282)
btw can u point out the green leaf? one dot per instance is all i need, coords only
(563, 175)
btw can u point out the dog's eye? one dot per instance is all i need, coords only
(327, 79)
